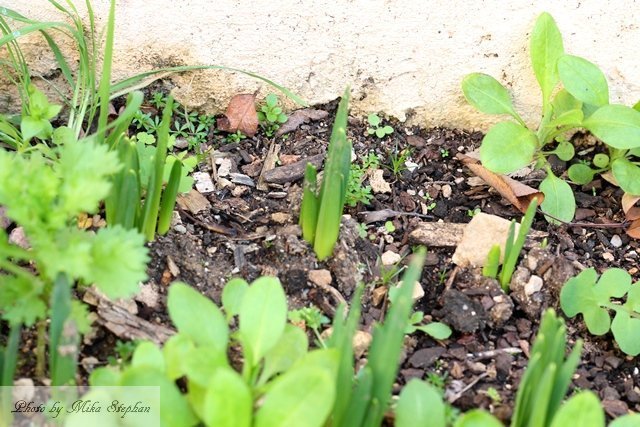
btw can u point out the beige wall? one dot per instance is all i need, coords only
(402, 57)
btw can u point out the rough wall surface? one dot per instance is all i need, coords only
(404, 58)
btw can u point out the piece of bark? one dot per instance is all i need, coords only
(448, 234)
(293, 171)
(193, 202)
(517, 193)
(269, 164)
(299, 117)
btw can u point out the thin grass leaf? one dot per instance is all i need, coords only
(169, 198)
(63, 338)
(334, 182)
(310, 207)
(10, 356)
(105, 80)
(360, 400)
(514, 249)
(386, 346)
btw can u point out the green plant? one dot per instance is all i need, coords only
(473, 212)
(356, 191)
(44, 195)
(512, 249)
(320, 214)
(583, 102)
(311, 317)
(375, 126)
(494, 395)
(437, 330)
(270, 115)
(592, 296)
(398, 160)
(420, 404)
(280, 382)
(235, 137)
(444, 153)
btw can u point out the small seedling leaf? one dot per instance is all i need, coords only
(583, 409)
(420, 404)
(627, 174)
(373, 120)
(580, 173)
(437, 330)
(565, 150)
(583, 80)
(558, 199)
(477, 418)
(546, 48)
(616, 125)
(601, 160)
(626, 331)
(227, 401)
(507, 147)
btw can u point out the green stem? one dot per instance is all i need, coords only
(616, 308)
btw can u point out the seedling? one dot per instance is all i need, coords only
(398, 161)
(235, 137)
(436, 330)
(389, 227)
(473, 212)
(592, 297)
(270, 115)
(312, 318)
(376, 128)
(512, 249)
(583, 102)
(444, 153)
(356, 191)
(321, 213)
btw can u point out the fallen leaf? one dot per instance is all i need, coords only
(631, 212)
(240, 115)
(299, 117)
(517, 193)
(634, 229)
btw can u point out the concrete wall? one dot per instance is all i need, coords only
(405, 58)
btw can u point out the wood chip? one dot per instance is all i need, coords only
(293, 171)
(269, 164)
(193, 202)
(299, 117)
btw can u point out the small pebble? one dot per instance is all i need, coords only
(179, 228)
(616, 241)
(608, 256)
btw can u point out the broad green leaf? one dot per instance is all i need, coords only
(477, 418)
(614, 283)
(626, 331)
(119, 260)
(31, 127)
(629, 420)
(558, 199)
(563, 101)
(616, 125)
(108, 376)
(633, 298)
(232, 295)
(437, 330)
(200, 363)
(487, 94)
(565, 150)
(175, 410)
(546, 48)
(580, 173)
(571, 118)
(583, 80)
(291, 346)
(301, 397)
(262, 317)
(583, 409)
(227, 401)
(175, 352)
(420, 404)
(508, 147)
(197, 317)
(627, 175)
(147, 354)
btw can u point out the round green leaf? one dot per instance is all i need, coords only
(565, 151)
(558, 199)
(629, 420)
(487, 94)
(583, 80)
(577, 292)
(580, 173)
(197, 317)
(147, 354)
(626, 331)
(583, 409)
(627, 175)
(262, 315)
(420, 404)
(601, 160)
(633, 297)
(614, 282)
(373, 119)
(616, 125)
(507, 147)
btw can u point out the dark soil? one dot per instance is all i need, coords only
(260, 237)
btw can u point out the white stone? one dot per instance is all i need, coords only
(616, 241)
(533, 285)
(203, 181)
(390, 258)
(446, 191)
(225, 167)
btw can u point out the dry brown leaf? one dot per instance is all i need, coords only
(631, 212)
(240, 115)
(299, 117)
(517, 193)
(634, 229)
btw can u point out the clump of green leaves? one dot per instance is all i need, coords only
(512, 249)
(279, 376)
(236, 137)
(437, 330)
(398, 159)
(583, 102)
(321, 213)
(270, 115)
(376, 128)
(594, 298)
(311, 317)
(356, 191)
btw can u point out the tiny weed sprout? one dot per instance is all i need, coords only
(270, 115)
(356, 191)
(320, 214)
(512, 249)
(582, 102)
(376, 128)
(398, 161)
(592, 297)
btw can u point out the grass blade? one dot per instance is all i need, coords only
(169, 198)
(309, 208)
(62, 334)
(105, 81)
